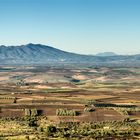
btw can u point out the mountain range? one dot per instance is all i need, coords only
(106, 54)
(42, 54)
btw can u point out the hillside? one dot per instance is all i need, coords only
(42, 54)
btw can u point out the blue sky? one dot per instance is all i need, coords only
(82, 26)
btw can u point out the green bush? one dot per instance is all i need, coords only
(51, 130)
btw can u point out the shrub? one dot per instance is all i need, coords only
(51, 130)
(27, 112)
(34, 112)
(89, 109)
(31, 116)
(31, 121)
(65, 112)
(31, 112)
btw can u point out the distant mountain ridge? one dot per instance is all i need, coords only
(106, 54)
(42, 54)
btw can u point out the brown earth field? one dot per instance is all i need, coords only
(48, 89)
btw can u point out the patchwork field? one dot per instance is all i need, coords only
(58, 95)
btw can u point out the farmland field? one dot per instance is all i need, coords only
(31, 96)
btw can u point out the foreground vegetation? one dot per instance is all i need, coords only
(70, 130)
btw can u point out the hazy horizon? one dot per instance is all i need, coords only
(79, 26)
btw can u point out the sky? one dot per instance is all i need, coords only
(80, 26)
